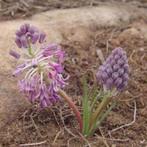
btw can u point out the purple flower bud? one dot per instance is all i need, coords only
(99, 75)
(112, 62)
(24, 42)
(109, 70)
(118, 51)
(32, 30)
(104, 76)
(18, 42)
(35, 37)
(116, 57)
(125, 76)
(118, 82)
(124, 58)
(14, 54)
(102, 68)
(122, 86)
(19, 33)
(120, 62)
(23, 29)
(28, 35)
(27, 26)
(109, 59)
(121, 71)
(109, 83)
(114, 72)
(42, 37)
(115, 75)
(126, 67)
(116, 67)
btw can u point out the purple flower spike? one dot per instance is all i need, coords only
(114, 73)
(28, 34)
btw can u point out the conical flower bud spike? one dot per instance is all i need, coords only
(114, 72)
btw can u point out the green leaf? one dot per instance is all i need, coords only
(86, 109)
(96, 97)
(102, 117)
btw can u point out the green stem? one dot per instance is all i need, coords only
(72, 106)
(30, 49)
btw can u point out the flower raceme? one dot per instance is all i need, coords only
(114, 71)
(42, 67)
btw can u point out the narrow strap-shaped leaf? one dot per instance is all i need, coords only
(102, 117)
(105, 114)
(86, 110)
(96, 97)
(98, 110)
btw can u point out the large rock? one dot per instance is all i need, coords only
(72, 24)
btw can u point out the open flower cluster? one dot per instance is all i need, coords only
(41, 69)
(114, 71)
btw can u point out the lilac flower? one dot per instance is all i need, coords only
(114, 73)
(43, 77)
(28, 34)
(41, 68)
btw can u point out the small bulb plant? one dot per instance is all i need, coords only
(42, 78)
(113, 75)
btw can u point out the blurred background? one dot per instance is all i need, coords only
(10, 9)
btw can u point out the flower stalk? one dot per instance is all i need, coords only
(72, 106)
